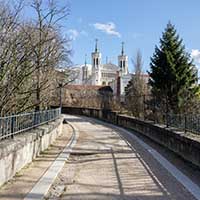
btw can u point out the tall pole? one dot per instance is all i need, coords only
(60, 87)
(167, 111)
(144, 106)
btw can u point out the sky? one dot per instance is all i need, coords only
(138, 23)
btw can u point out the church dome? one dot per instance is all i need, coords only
(110, 67)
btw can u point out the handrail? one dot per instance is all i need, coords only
(14, 124)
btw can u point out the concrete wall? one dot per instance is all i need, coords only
(185, 145)
(18, 152)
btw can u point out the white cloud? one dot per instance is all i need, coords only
(108, 28)
(195, 54)
(73, 34)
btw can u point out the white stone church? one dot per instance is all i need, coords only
(110, 74)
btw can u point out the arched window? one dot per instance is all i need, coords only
(97, 61)
(124, 63)
(121, 64)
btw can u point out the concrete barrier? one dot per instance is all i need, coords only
(184, 145)
(18, 152)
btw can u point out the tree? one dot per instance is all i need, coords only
(136, 89)
(12, 59)
(172, 73)
(48, 46)
(29, 53)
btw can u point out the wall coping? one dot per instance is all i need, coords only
(9, 145)
(188, 136)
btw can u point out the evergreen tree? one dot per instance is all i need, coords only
(172, 73)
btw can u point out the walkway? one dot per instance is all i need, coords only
(103, 166)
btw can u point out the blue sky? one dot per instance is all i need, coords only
(139, 23)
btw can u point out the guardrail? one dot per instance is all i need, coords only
(182, 122)
(11, 125)
(188, 123)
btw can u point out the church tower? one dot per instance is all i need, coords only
(123, 62)
(96, 66)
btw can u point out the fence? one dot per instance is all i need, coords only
(190, 123)
(11, 125)
(147, 107)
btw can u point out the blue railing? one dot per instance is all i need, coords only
(11, 125)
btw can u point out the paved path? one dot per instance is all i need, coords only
(105, 163)
(105, 166)
(28, 177)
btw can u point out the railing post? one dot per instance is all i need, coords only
(167, 111)
(185, 121)
(12, 127)
(167, 122)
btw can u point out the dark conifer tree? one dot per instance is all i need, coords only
(172, 73)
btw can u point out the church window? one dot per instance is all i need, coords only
(121, 63)
(124, 63)
(97, 61)
(94, 61)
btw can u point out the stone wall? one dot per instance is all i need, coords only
(23, 148)
(186, 146)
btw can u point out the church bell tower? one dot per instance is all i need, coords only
(123, 62)
(96, 65)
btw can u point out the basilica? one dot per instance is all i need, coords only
(97, 73)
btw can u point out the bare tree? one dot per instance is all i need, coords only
(29, 53)
(136, 88)
(11, 57)
(47, 44)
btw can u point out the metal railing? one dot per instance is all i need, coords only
(148, 107)
(187, 123)
(11, 125)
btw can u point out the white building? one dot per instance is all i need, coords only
(105, 74)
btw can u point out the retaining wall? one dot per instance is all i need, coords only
(186, 146)
(23, 148)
